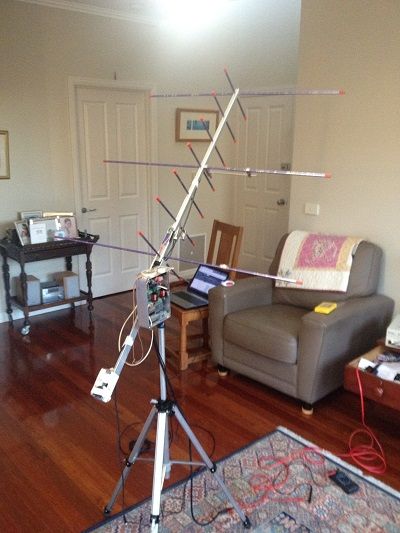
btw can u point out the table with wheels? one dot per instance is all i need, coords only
(41, 252)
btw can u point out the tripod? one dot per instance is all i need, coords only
(162, 464)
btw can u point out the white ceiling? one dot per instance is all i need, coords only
(138, 10)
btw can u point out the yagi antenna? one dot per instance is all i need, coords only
(153, 307)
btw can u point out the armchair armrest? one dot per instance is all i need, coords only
(247, 292)
(328, 342)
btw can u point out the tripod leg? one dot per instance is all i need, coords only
(210, 465)
(159, 470)
(131, 459)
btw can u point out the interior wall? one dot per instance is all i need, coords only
(351, 45)
(42, 48)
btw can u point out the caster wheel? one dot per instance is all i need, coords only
(25, 330)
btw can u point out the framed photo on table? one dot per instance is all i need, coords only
(27, 215)
(66, 227)
(22, 229)
(195, 124)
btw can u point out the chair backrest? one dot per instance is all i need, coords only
(225, 243)
(363, 281)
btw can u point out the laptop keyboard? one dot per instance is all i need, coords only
(190, 298)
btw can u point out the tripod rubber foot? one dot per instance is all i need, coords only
(247, 523)
(106, 510)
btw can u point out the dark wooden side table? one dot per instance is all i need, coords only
(375, 388)
(41, 252)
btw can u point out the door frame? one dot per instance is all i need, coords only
(152, 136)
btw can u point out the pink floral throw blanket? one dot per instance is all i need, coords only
(321, 262)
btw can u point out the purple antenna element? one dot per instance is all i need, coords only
(158, 199)
(277, 92)
(141, 234)
(205, 172)
(210, 137)
(233, 88)
(187, 192)
(222, 113)
(225, 170)
(190, 261)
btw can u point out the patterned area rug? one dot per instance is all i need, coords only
(282, 484)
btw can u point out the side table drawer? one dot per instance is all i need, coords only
(380, 390)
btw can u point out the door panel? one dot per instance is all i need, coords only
(265, 141)
(112, 124)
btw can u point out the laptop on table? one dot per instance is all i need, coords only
(196, 294)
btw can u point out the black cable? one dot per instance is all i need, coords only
(197, 522)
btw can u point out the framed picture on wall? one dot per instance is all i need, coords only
(4, 156)
(195, 124)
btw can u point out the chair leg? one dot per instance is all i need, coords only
(222, 370)
(307, 409)
(183, 353)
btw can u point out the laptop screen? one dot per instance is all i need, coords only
(207, 278)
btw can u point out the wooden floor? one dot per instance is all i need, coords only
(59, 461)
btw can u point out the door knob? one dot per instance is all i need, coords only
(86, 210)
(281, 201)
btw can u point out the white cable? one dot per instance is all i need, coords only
(122, 327)
(140, 361)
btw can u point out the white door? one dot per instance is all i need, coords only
(262, 201)
(114, 199)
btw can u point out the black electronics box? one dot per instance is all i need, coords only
(51, 292)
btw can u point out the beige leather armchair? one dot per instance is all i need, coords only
(273, 336)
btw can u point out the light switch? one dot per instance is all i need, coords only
(311, 209)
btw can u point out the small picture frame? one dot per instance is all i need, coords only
(66, 227)
(38, 230)
(22, 228)
(27, 215)
(195, 124)
(4, 156)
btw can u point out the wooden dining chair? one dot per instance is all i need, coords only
(224, 249)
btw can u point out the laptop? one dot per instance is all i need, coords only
(196, 294)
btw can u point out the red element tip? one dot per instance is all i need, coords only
(328, 174)
(202, 119)
(342, 92)
(225, 70)
(214, 93)
(158, 199)
(299, 282)
(201, 214)
(140, 233)
(189, 145)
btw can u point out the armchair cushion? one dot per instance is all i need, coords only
(280, 324)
